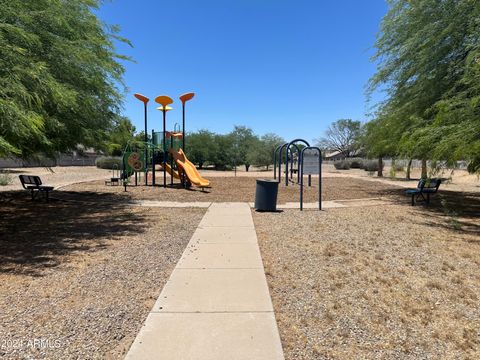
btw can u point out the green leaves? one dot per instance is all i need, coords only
(60, 80)
(427, 57)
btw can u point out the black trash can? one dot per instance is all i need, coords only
(266, 195)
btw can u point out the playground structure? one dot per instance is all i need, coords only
(164, 149)
(308, 160)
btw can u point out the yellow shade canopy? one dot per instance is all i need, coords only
(164, 100)
(185, 97)
(141, 97)
(164, 108)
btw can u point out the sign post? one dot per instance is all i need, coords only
(310, 163)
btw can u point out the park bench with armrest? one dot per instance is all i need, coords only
(34, 184)
(424, 187)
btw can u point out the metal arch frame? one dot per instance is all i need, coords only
(291, 162)
(279, 161)
(319, 175)
(293, 142)
(275, 160)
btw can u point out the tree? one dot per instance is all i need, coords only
(341, 136)
(223, 153)
(59, 76)
(261, 152)
(121, 134)
(378, 141)
(242, 139)
(427, 54)
(201, 147)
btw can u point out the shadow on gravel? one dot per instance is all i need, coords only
(34, 235)
(462, 210)
(452, 210)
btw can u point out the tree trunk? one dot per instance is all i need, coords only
(380, 167)
(424, 168)
(267, 167)
(409, 166)
(200, 165)
(247, 167)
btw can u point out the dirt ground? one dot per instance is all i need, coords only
(378, 282)
(56, 176)
(82, 276)
(242, 189)
(457, 180)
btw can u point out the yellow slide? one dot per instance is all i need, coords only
(172, 172)
(190, 170)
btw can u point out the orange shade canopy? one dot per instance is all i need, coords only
(141, 97)
(164, 100)
(164, 108)
(185, 97)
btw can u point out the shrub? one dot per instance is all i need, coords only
(104, 162)
(342, 165)
(356, 163)
(398, 167)
(371, 165)
(5, 179)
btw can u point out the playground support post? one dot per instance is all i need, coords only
(171, 161)
(184, 98)
(146, 147)
(153, 161)
(164, 149)
(164, 101)
(145, 100)
(300, 164)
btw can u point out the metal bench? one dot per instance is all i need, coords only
(424, 187)
(34, 184)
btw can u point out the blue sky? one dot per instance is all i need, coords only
(289, 67)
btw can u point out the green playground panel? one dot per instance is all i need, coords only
(134, 161)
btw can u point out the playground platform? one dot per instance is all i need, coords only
(216, 304)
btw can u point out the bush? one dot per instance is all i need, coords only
(104, 162)
(5, 179)
(356, 163)
(371, 165)
(398, 167)
(342, 165)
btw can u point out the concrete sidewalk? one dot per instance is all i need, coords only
(216, 304)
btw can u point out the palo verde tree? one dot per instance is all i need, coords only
(428, 60)
(59, 76)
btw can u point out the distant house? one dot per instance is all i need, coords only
(335, 155)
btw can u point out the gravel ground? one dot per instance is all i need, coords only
(243, 189)
(383, 282)
(82, 277)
